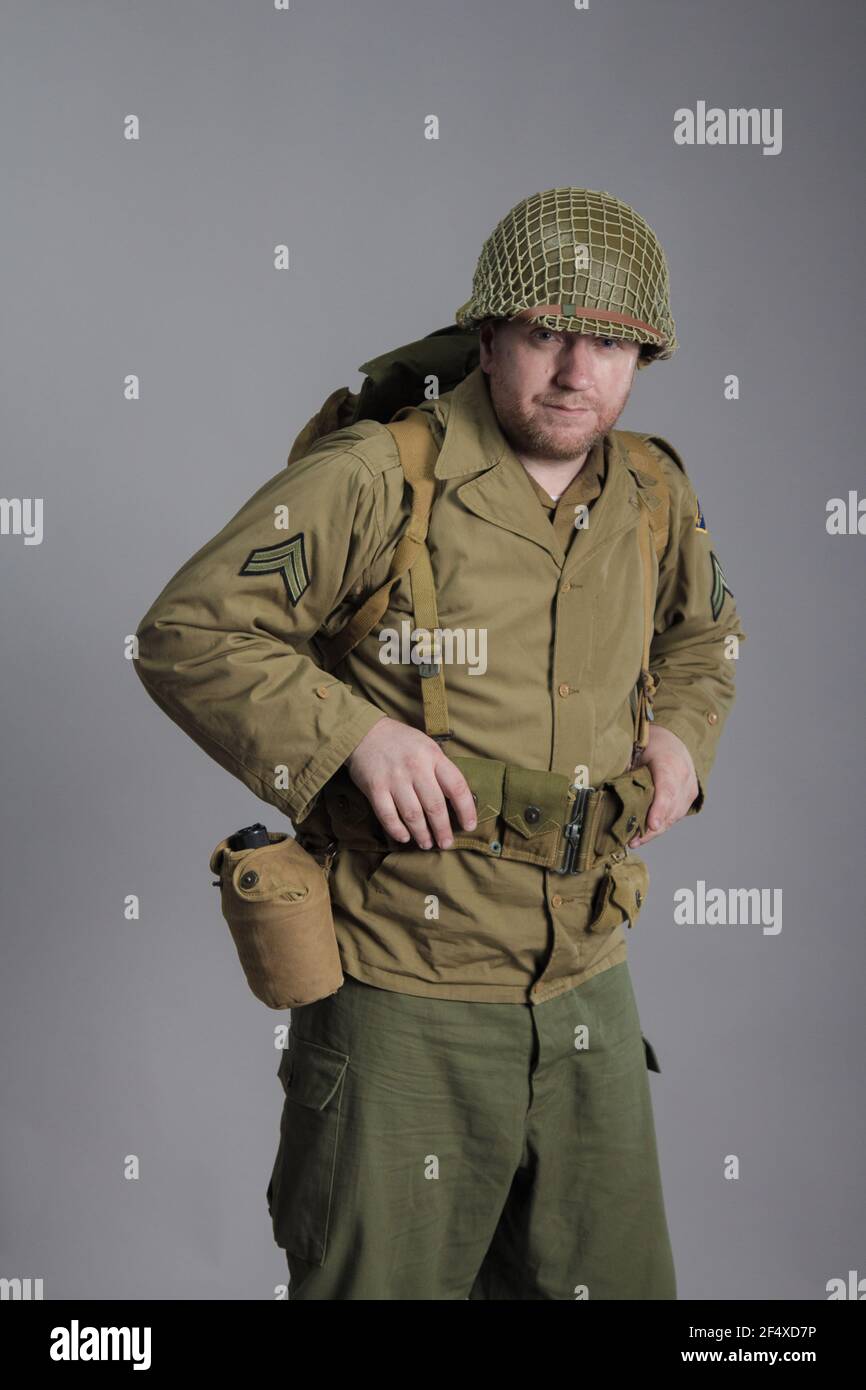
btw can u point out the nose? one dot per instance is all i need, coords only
(575, 364)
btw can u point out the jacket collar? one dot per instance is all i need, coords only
(498, 487)
(473, 438)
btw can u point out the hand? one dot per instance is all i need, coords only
(405, 776)
(676, 783)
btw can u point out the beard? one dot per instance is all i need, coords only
(528, 433)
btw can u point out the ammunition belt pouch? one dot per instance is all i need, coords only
(522, 813)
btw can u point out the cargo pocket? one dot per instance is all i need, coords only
(620, 895)
(651, 1059)
(301, 1186)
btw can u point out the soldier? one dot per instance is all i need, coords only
(469, 1115)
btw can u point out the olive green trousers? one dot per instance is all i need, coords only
(441, 1149)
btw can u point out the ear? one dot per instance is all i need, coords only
(486, 338)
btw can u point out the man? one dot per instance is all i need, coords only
(469, 1115)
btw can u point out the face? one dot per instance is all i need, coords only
(555, 393)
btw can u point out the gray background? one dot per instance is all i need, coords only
(155, 258)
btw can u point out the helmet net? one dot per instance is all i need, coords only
(580, 250)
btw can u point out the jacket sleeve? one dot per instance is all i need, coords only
(220, 650)
(695, 616)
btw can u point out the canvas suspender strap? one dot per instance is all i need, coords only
(654, 526)
(647, 683)
(418, 453)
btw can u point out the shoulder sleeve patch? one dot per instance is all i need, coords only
(700, 524)
(288, 559)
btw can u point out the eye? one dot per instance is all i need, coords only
(549, 331)
(612, 342)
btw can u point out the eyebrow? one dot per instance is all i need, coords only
(533, 325)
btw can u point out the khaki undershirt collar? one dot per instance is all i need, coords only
(585, 487)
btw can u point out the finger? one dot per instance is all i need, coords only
(435, 809)
(412, 814)
(459, 793)
(644, 839)
(680, 804)
(386, 813)
(658, 814)
(662, 803)
(650, 834)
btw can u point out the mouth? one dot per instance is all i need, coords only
(566, 410)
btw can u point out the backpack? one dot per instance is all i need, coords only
(394, 383)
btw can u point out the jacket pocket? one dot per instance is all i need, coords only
(302, 1181)
(620, 895)
(381, 864)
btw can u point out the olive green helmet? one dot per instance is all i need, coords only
(587, 258)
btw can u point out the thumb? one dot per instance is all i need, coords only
(663, 801)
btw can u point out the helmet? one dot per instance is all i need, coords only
(588, 259)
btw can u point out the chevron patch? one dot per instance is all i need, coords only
(287, 559)
(720, 587)
(700, 524)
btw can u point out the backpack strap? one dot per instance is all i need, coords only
(418, 453)
(647, 683)
(654, 529)
(648, 469)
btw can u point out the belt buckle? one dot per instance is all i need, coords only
(573, 830)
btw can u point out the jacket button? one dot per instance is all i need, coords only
(631, 823)
(249, 879)
(712, 717)
(322, 692)
(556, 900)
(532, 815)
(637, 897)
(563, 689)
(566, 588)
